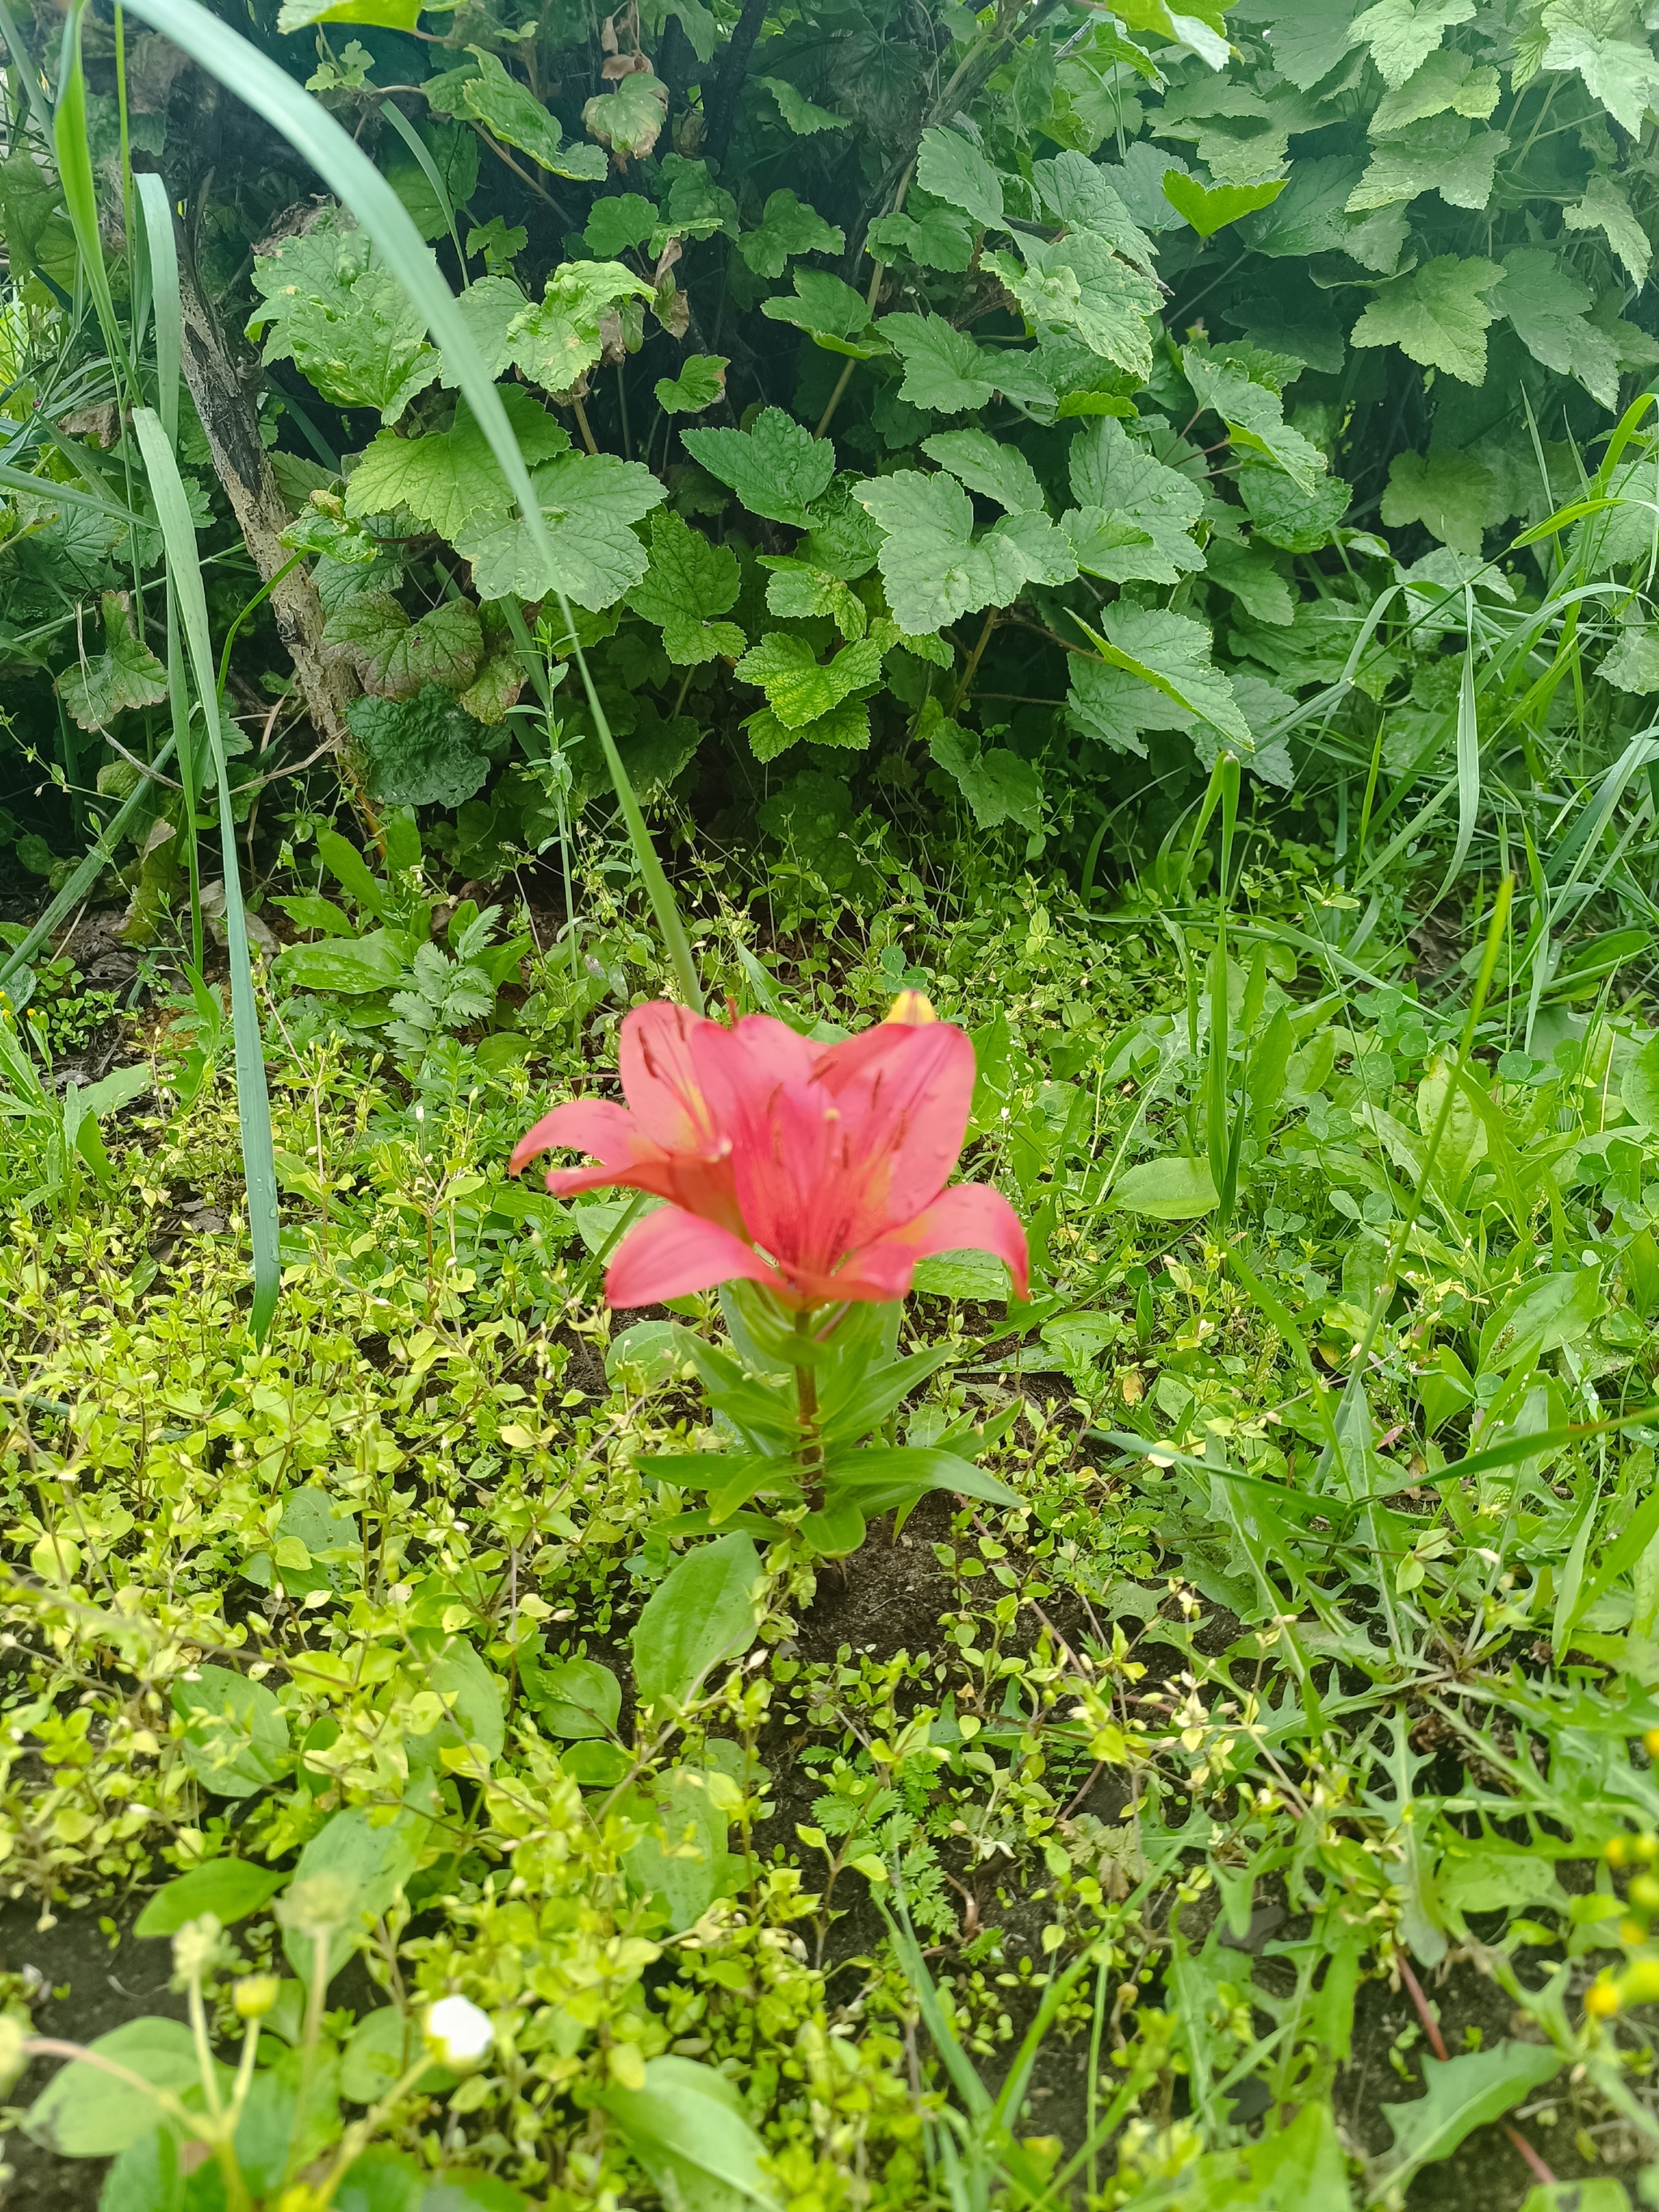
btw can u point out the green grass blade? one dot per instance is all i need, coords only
(34, 84)
(69, 130)
(252, 1099)
(347, 171)
(82, 879)
(411, 137)
(163, 246)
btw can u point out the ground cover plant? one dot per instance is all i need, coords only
(983, 678)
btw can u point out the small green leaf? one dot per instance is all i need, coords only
(777, 466)
(1170, 1188)
(799, 688)
(788, 227)
(83, 2112)
(1436, 316)
(629, 119)
(1211, 208)
(1401, 34)
(953, 170)
(126, 674)
(802, 115)
(228, 1888)
(512, 113)
(703, 1615)
(699, 383)
(944, 371)
(556, 341)
(689, 583)
(831, 312)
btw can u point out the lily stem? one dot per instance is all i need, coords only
(806, 1399)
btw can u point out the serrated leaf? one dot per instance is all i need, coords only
(846, 726)
(944, 371)
(1401, 34)
(689, 583)
(1109, 542)
(787, 226)
(831, 314)
(776, 467)
(1445, 154)
(1286, 516)
(999, 785)
(556, 341)
(1623, 76)
(797, 590)
(490, 307)
(1436, 316)
(932, 567)
(1549, 308)
(628, 120)
(1307, 39)
(1633, 662)
(1254, 578)
(799, 688)
(1113, 707)
(1171, 653)
(693, 205)
(986, 465)
(1605, 208)
(423, 751)
(1460, 2095)
(934, 237)
(617, 223)
(449, 477)
(699, 383)
(379, 15)
(953, 170)
(804, 117)
(1454, 495)
(1447, 80)
(1311, 216)
(589, 502)
(1043, 552)
(1253, 414)
(125, 674)
(1114, 473)
(396, 657)
(1211, 208)
(509, 111)
(1078, 283)
(1075, 191)
(331, 306)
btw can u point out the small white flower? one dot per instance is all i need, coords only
(457, 2031)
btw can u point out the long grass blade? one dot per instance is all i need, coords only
(253, 1098)
(33, 83)
(347, 171)
(163, 249)
(74, 152)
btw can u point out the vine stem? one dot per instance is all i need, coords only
(975, 657)
(1437, 2044)
(580, 413)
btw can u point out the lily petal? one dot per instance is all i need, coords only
(659, 1078)
(971, 1217)
(582, 1125)
(671, 1253)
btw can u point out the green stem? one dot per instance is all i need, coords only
(807, 1399)
(309, 2046)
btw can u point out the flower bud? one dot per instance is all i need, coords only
(317, 1905)
(1602, 2000)
(255, 1995)
(457, 2032)
(1614, 1851)
(1644, 1893)
(1640, 1983)
(196, 1946)
(1650, 1743)
(913, 1009)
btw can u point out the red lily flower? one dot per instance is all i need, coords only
(817, 1172)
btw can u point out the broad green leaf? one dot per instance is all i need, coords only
(1311, 216)
(804, 117)
(686, 2128)
(944, 371)
(448, 477)
(452, 150)
(1298, 2168)
(490, 308)
(689, 583)
(699, 383)
(693, 205)
(1115, 476)
(1255, 580)
(683, 1860)
(459, 1676)
(423, 751)
(125, 674)
(1253, 412)
(933, 238)
(1045, 554)
(381, 2047)
(788, 227)
(932, 567)
(831, 312)
(952, 168)
(1076, 191)
(776, 467)
(512, 113)
(1170, 1188)
(1460, 2095)
(1540, 1315)
(1307, 39)
(368, 1862)
(228, 1888)
(558, 340)
(998, 785)
(1633, 664)
(590, 503)
(617, 223)
(1619, 73)
(1445, 154)
(235, 1738)
(1079, 283)
(1605, 208)
(331, 305)
(1639, 1086)
(379, 15)
(1297, 520)
(1436, 316)
(1211, 208)
(1549, 307)
(83, 2112)
(846, 726)
(1453, 494)
(367, 963)
(1401, 34)
(630, 119)
(799, 689)
(796, 589)
(1106, 543)
(396, 657)
(997, 473)
(575, 1698)
(1446, 79)
(1172, 653)
(703, 1615)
